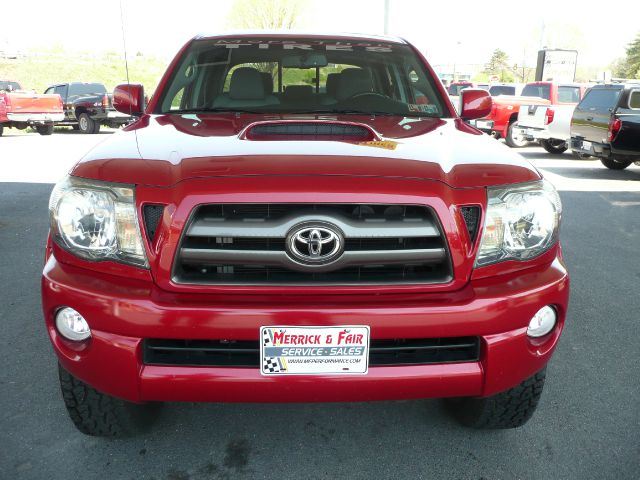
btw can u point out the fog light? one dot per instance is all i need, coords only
(72, 325)
(542, 322)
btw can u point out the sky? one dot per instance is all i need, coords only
(462, 32)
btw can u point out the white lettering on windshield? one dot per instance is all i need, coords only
(300, 46)
(288, 45)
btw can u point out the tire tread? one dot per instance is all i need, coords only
(614, 164)
(97, 414)
(509, 409)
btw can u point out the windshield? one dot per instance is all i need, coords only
(537, 90)
(9, 85)
(600, 99)
(301, 76)
(496, 90)
(86, 89)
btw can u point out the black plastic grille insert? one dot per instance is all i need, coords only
(152, 214)
(246, 353)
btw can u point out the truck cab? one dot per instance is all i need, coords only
(87, 106)
(606, 124)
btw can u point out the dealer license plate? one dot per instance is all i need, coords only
(586, 145)
(314, 350)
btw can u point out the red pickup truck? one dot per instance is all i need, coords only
(502, 121)
(21, 109)
(263, 235)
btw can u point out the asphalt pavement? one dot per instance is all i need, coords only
(587, 425)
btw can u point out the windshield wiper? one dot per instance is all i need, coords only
(212, 110)
(373, 113)
(348, 112)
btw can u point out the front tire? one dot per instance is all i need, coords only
(554, 146)
(45, 129)
(86, 124)
(514, 138)
(613, 164)
(100, 415)
(1, 129)
(509, 409)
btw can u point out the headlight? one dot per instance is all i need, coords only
(96, 220)
(521, 222)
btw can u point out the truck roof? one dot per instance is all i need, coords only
(559, 84)
(304, 34)
(629, 84)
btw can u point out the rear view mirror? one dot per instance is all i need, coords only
(129, 99)
(310, 60)
(474, 103)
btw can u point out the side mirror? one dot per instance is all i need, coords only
(129, 99)
(474, 103)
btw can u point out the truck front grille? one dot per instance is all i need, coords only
(250, 244)
(246, 353)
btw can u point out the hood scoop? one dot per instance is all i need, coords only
(309, 130)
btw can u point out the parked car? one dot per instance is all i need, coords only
(87, 106)
(242, 243)
(21, 109)
(502, 122)
(606, 124)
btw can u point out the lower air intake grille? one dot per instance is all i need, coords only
(232, 353)
(152, 214)
(471, 217)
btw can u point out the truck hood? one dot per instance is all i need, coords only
(163, 150)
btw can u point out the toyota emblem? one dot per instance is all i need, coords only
(315, 244)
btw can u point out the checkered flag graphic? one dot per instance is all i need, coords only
(270, 364)
(266, 338)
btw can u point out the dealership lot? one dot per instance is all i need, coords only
(586, 426)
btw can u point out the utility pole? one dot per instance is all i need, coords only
(542, 31)
(386, 17)
(455, 59)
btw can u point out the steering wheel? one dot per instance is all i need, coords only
(365, 94)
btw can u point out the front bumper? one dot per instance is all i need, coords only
(35, 117)
(122, 312)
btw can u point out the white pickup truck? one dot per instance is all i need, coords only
(547, 124)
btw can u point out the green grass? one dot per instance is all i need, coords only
(38, 72)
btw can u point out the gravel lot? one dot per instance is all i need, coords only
(587, 425)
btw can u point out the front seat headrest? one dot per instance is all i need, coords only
(246, 84)
(353, 81)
